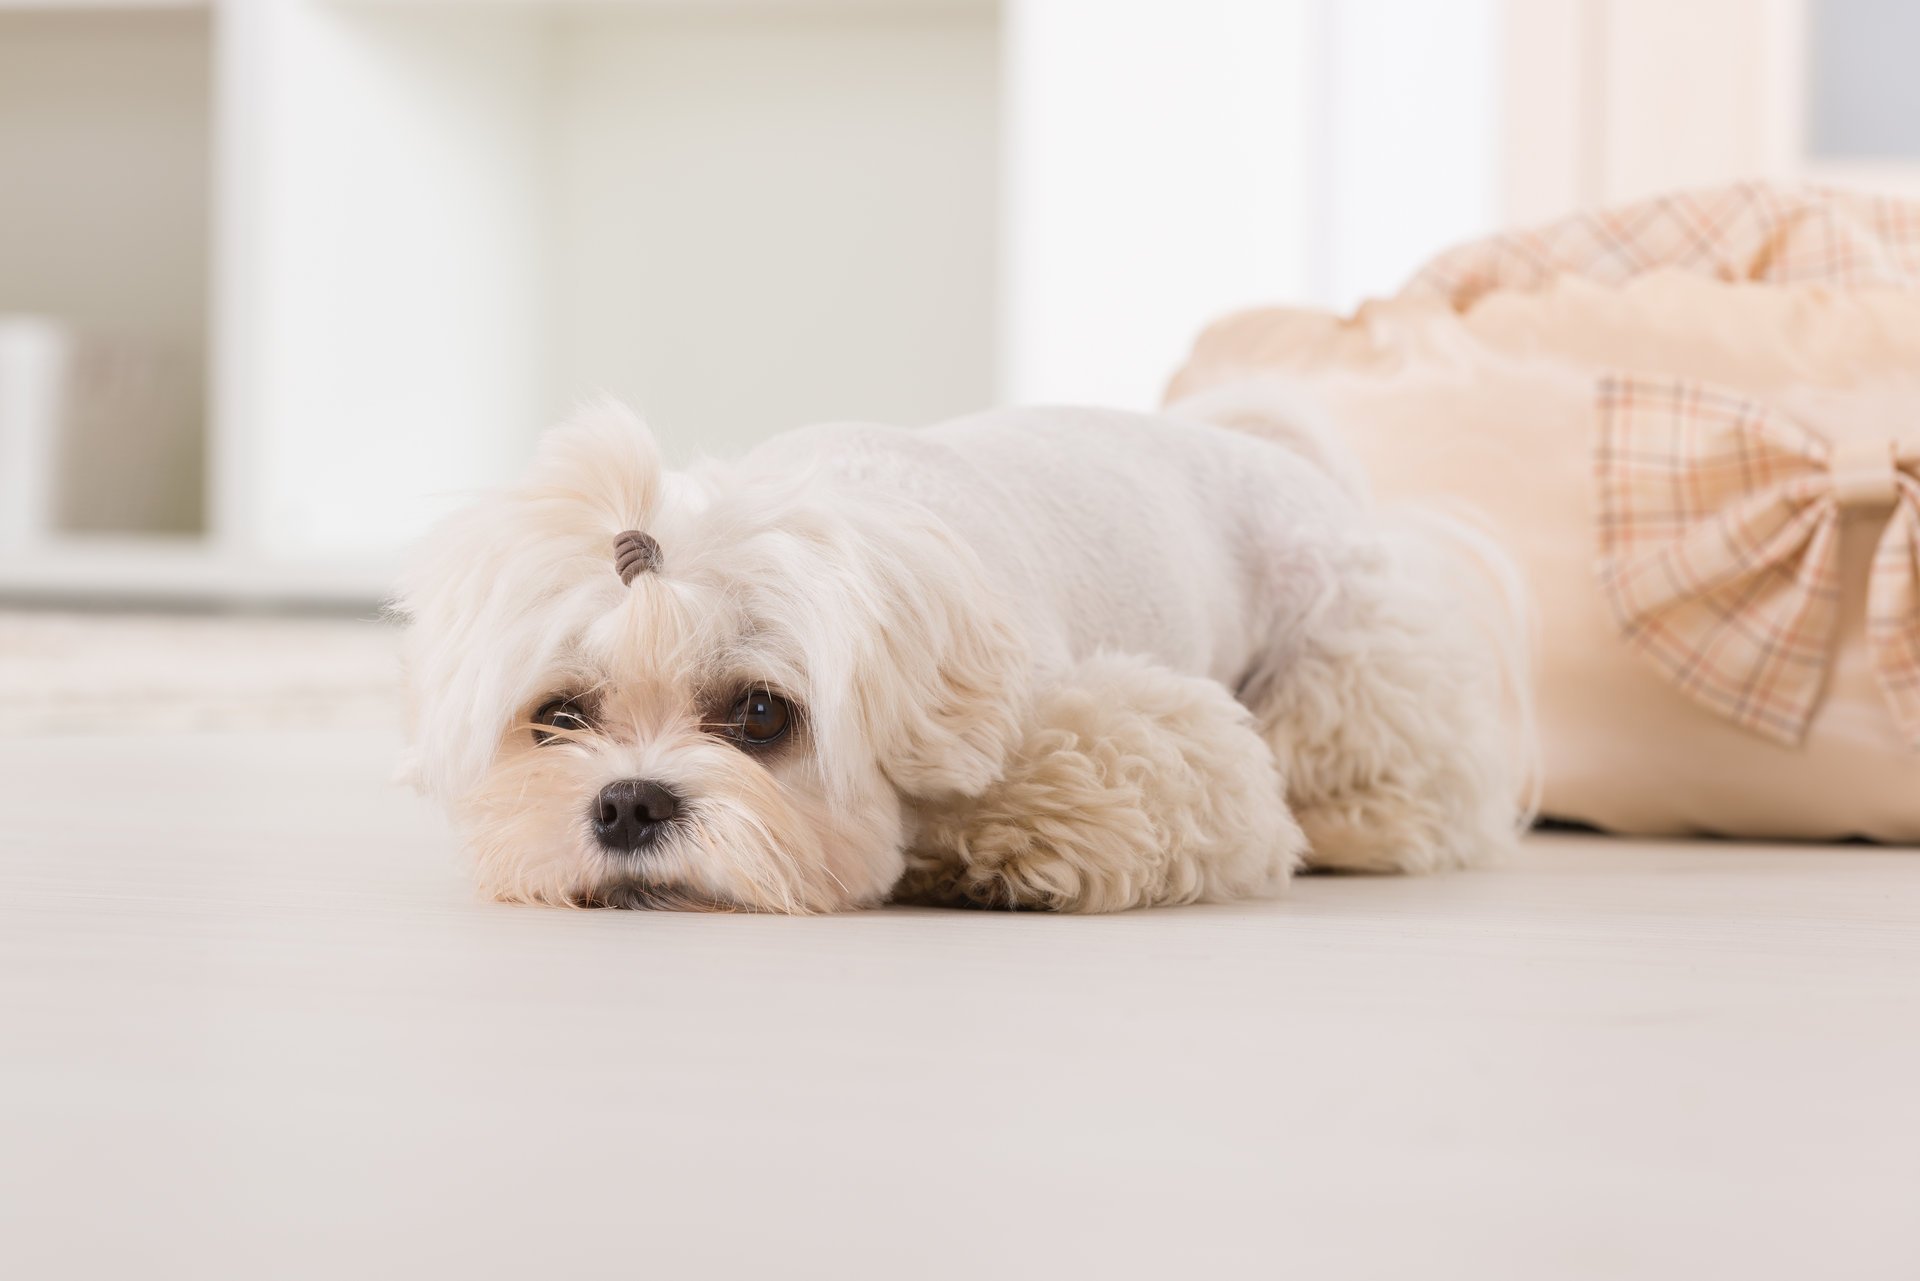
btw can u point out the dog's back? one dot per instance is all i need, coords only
(1164, 536)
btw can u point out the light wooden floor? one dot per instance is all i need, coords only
(255, 1027)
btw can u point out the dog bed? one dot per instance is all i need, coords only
(1695, 423)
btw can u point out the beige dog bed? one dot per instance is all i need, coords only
(1696, 424)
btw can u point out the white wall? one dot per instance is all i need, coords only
(1168, 163)
(1611, 101)
(1408, 139)
(1156, 163)
(380, 274)
(1693, 94)
(444, 226)
(768, 219)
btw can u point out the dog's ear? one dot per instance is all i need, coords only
(944, 680)
(486, 596)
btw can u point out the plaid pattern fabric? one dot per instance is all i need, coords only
(1719, 526)
(1893, 610)
(1749, 232)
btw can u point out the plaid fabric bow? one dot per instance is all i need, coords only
(1720, 551)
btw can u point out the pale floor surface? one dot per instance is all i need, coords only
(254, 1026)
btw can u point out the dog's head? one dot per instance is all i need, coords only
(735, 710)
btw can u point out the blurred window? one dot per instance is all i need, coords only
(1866, 96)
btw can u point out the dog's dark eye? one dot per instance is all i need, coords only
(760, 717)
(561, 713)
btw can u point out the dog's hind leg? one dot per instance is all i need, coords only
(1132, 786)
(1390, 719)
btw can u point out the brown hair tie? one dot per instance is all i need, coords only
(635, 553)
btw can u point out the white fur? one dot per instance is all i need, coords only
(1016, 641)
(1133, 786)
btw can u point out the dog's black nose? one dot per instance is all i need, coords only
(630, 814)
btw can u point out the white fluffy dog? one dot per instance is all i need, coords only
(1043, 658)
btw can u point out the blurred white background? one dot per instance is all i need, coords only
(280, 278)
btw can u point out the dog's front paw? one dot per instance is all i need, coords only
(1132, 786)
(984, 875)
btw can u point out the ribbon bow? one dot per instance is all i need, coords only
(1720, 551)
